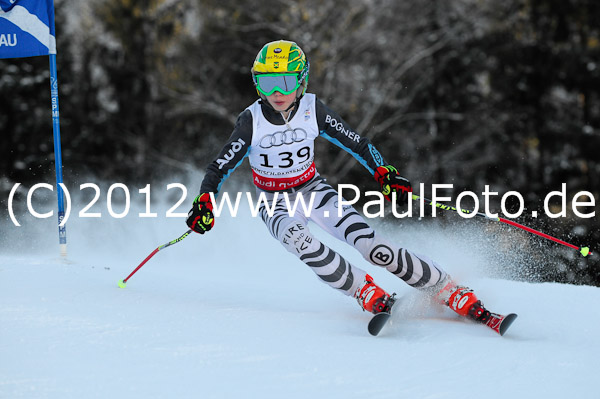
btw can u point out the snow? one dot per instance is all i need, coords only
(232, 315)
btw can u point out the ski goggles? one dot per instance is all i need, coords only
(269, 83)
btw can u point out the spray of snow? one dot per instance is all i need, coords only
(231, 314)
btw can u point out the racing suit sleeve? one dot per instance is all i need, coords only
(336, 130)
(231, 156)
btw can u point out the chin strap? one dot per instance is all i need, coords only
(292, 105)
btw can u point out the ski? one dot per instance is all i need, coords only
(380, 319)
(500, 323)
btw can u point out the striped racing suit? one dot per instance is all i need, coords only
(281, 154)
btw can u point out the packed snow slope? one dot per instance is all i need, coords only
(232, 315)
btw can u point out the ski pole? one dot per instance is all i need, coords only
(585, 251)
(123, 283)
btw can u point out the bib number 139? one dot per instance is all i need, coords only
(285, 159)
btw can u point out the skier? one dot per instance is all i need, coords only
(277, 134)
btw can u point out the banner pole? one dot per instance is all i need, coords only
(62, 230)
(32, 21)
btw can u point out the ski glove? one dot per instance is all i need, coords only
(390, 181)
(200, 218)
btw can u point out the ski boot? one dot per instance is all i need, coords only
(372, 298)
(463, 301)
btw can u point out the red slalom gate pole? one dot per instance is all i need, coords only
(585, 251)
(123, 283)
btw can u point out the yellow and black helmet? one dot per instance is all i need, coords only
(280, 66)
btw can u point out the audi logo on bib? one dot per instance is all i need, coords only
(285, 137)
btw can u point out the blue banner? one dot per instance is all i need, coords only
(26, 28)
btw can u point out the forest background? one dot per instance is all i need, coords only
(462, 92)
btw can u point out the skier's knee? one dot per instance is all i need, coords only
(296, 238)
(381, 255)
(377, 251)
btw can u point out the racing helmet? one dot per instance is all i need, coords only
(280, 66)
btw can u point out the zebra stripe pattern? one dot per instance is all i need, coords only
(322, 259)
(416, 270)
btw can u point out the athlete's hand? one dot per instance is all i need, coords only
(200, 218)
(390, 181)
